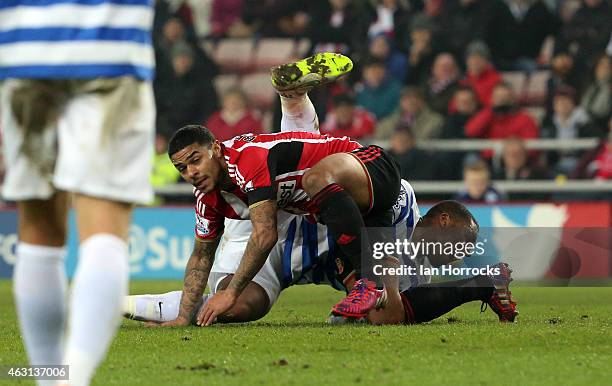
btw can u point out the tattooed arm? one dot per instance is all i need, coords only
(262, 240)
(196, 274)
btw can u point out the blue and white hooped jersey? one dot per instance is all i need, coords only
(71, 39)
(304, 255)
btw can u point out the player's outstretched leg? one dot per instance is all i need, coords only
(155, 308)
(293, 81)
(428, 302)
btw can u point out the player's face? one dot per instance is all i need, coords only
(199, 165)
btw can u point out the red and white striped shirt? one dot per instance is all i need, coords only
(264, 167)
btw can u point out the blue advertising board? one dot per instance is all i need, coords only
(8, 241)
(161, 238)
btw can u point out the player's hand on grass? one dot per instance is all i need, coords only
(219, 303)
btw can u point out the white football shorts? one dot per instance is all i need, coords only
(93, 137)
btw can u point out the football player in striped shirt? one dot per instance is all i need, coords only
(305, 253)
(346, 186)
(78, 120)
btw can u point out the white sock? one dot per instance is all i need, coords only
(298, 114)
(100, 284)
(39, 288)
(155, 308)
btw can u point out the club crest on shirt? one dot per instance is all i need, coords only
(248, 187)
(402, 199)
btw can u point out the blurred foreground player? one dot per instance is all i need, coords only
(78, 118)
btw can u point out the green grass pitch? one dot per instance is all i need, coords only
(563, 337)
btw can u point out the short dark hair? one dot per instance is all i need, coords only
(188, 135)
(458, 212)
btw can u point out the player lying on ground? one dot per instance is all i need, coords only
(305, 255)
(346, 186)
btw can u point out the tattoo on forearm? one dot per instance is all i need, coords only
(261, 242)
(196, 274)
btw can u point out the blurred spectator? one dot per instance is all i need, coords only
(415, 164)
(588, 31)
(186, 96)
(166, 10)
(434, 9)
(603, 161)
(345, 119)
(337, 26)
(422, 50)
(276, 18)
(487, 20)
(396, 62)
(568, 122)
(480, 74)
(164, 173)
(533, 22)
(478, 188)
(202, 10)
(378, 93)
(234, 118)
(173, 31)
(465, 106)
(516, 163)
(464, 22)
(442, 84)
(413, 112)
(389, 17)
(225, 17)
(596, 161)
(563, 74)
(597, 99)
(567, 9)
(503, 119)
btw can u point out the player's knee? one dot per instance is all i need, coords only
(315, 179)
(256, 305)
(246, 312)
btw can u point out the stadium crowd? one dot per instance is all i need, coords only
(512, 70)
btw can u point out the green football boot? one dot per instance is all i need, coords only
(297, 78)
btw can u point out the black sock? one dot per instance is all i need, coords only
(343, 218)
(430, 301)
